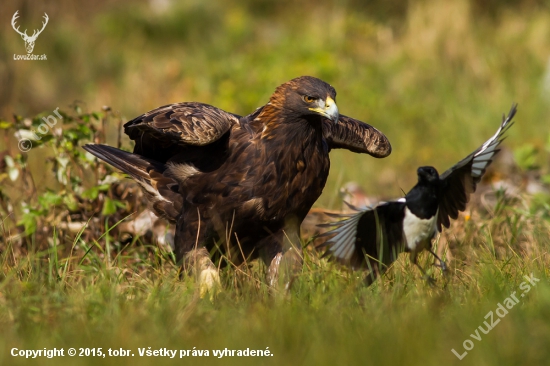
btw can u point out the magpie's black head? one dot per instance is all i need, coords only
(427, 174)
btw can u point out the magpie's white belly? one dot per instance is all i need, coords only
(418, 232)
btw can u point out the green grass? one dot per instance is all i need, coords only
(134, 299)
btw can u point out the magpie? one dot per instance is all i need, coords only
(373, 237)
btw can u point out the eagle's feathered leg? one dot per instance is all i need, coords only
(286, 261)
(198, 262)
(194, 257)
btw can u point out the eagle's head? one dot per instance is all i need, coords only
(306, 96)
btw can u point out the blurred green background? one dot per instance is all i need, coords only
(434, 76)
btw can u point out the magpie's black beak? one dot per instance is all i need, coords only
(427, 173)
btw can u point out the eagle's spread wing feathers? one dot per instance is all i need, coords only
(356, 136)
(192, 123)
(460, 181)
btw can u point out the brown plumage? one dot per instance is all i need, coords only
(227, 180)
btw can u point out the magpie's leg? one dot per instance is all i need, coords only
(427, 276)
(430, 279)
(441, 262)
(374, 272)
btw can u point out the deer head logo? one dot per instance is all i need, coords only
(29, 40)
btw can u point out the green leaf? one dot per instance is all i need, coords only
(49, 199)
(109, 207)
(4, 125)
(92, 193)
(70, 201)
(28, 220)
(84, 130)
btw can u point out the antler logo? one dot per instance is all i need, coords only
(29, 40)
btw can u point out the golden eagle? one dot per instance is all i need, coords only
(241, 185)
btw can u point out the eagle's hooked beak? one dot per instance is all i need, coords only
(327, 108)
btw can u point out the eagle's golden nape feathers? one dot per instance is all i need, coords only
(301, 100)
(208, 170)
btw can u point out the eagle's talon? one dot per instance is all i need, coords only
(209, 283)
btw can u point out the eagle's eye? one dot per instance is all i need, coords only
(308, 99)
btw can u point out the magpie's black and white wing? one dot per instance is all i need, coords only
(354, 135)
(366, 234)
(460, 181)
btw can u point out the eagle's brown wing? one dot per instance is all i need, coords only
(356, 136)
(194, 133)
(196, 124)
